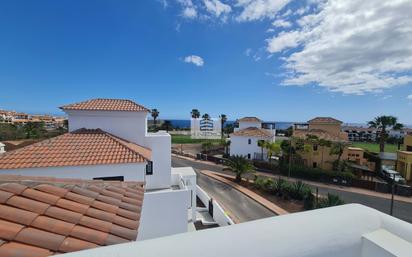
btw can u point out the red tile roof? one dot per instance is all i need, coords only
(324, 120)
(343, 136)
(249, 119)
(80, 147)
(42, 216)
(102, 104)
(253, 132)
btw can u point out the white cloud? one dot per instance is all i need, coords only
(259, 9)
(281, 23)
(351, 46)
(283, 41)
(194, 59)
(409, 97)
(189, 9)
(189, 12)
(216, 7)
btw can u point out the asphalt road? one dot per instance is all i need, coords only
(240, 207)
(401, 210)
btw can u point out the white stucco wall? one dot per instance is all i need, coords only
(161, 145)
(164, 213)
(239, 146)
(131, 126)
(132, 171)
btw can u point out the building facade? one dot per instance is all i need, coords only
(325, 128)
(404, 162)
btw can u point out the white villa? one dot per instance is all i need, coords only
(108, 140)
(245, 139)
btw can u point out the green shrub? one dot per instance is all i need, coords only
(300, 190)
(315, 174)
(330, 200)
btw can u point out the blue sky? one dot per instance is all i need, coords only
(252, 56)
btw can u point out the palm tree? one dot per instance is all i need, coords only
(239, 165)
(155, 114)
(195, 113)
(383, 124)
(262, 145)
(273, 149)
(205, 116)
(30, 129)
(337, 148)
(225, 143)
(167, 125)
(223, 119)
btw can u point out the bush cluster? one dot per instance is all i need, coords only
(316, 174)
(297, 191)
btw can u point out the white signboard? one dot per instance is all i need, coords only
(205, 128)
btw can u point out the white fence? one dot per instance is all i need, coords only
(219, 214)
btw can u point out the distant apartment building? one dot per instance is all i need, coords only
(364, 134)
(404, 161)
(16, 118)
(245, 139)
(360, 133)
(326, 128)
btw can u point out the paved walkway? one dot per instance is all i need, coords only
(318, 184)
(261, 200)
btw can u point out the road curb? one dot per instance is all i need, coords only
(259, 199)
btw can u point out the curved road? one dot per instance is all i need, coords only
(401, 210)
(240, 207)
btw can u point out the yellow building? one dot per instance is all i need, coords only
(404, 162)
(326, 128)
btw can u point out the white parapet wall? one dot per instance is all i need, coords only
(336, 231)
(219, 214)
(164, 212)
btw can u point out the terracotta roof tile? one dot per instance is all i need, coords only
(50, 215)
(40, 238)
(9, 230)
(4, 196)
(249, 119)
(28, 204)
(14, 249)
(253, 132)
(80, 147)
(53, 225)
(101, 104)
(324, 120)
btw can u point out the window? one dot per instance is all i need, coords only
(315, 165)
(114, 178)
(249, 141)
(248, 155)
(315, 148)
(149, 168)
(409, 148)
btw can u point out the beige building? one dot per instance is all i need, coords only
(404, 162)
(326, 128)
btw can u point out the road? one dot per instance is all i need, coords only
(401, 210)
(240, 207)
